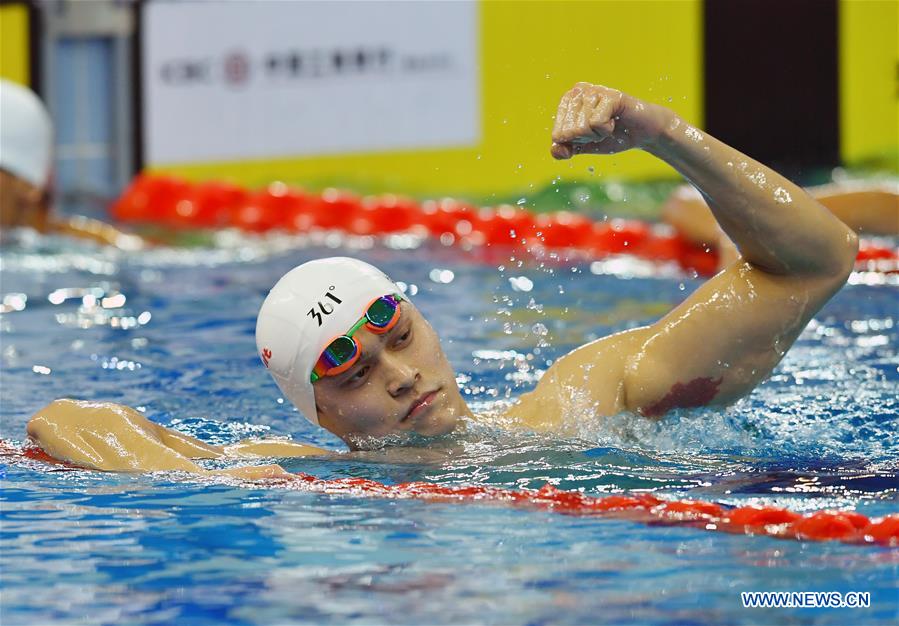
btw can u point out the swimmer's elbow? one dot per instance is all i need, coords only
(838, 261)
(46, 421)
(849, 255)
(58, 413)
(36, 427)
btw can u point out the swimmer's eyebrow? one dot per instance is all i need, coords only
(392, 332)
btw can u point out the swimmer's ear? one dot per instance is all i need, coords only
(34, 195)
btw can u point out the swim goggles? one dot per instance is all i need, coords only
(381, 315)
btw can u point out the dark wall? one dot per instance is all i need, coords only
(771, 80)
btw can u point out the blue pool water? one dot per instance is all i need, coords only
(93, 548)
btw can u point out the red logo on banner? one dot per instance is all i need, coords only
(237, 68)
(266, 355)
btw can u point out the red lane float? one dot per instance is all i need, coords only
(844, 526)
(175, 203)
(750, 517)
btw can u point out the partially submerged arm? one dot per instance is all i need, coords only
(24, 204)
(728, 335)
(865, 208)
(113, 437)
(95, 230)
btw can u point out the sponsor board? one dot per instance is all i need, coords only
(231, 81)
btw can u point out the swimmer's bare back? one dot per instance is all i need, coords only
(727, 336)
(113, 437)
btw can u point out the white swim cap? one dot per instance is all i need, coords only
(26, 134)
(308, 308)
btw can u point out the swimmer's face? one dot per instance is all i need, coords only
(21, 203)
(401, 383)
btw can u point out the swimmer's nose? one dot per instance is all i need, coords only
(401, 376)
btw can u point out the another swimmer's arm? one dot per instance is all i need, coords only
(866, 209)
(95, 230)
(687, 212)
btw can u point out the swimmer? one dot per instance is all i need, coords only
(355, 355)
(867, 208)
(26, 188)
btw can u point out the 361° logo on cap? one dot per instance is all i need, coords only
(266, 355)
(324, 307)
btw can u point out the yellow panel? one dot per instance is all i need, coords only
(869, 93)
(14, 43)
(531, 52)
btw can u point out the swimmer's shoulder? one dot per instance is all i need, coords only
(590, 377)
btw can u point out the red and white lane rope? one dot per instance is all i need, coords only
(175, 203)
(843, 526)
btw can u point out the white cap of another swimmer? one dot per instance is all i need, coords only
(305, 311)
(26, 134)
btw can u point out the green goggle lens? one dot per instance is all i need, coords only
(340, 351)
(381, 311)
(381, 314)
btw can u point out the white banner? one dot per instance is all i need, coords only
(243, 80)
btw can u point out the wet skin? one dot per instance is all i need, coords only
(401, 370)
(711, 349)
(22, 204)
(25, 205)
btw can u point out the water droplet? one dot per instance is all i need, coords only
(441, 276)
(521, 283)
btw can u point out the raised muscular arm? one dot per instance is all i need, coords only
(794, 255)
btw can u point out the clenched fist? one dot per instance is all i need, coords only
(593, 119)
